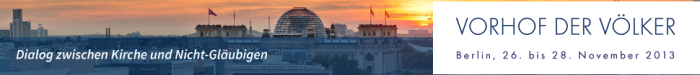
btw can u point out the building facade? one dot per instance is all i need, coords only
(376, 30)
(340, 29)
(350, 33)
(218, 30)
(379, 55)
(417, 33)
(4, 33)
(40, 32)
(19, 28)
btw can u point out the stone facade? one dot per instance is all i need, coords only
(220, 30)
(377, 30)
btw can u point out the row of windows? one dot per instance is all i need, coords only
(368, 57)
(212, 34)
(386, 33)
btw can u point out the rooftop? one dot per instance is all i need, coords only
(219, 26)
(376, 25)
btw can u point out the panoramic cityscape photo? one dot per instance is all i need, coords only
(216, 37)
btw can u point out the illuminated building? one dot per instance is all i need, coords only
(376, 30)
(300, 20)
(218, 30)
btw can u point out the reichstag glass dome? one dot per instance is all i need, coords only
(300, 20)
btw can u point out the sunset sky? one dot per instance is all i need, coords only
(179, 17)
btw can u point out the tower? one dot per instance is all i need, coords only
(268, 22)
(251, 29)
(107, 33)
(16, 15)
(19, 28)
(40, 32)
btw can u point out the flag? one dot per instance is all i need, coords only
(234, 13)
(386, 13)
(212, 12)
(370, 11)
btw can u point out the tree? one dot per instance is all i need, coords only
(320, 59)
(413, 59)
(78, 38)
(67, 39)
(406, 73)
(340, 65)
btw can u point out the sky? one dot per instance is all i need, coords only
(179, 17)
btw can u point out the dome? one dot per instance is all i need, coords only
(300, 20)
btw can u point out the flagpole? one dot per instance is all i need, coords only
(208, 18)
(385, 13)
(268, 23)
(234, 16)
(370, 15)
(250, 33)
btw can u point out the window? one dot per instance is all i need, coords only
(374, 33)
(383, 33)
(369, 68)
(369, 57)
(352, 57)
(201, 33)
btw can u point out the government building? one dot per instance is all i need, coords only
(376, 30)
(298, 36)
(218, 30)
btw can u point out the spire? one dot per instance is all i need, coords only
(234, 17)
(251, 29)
